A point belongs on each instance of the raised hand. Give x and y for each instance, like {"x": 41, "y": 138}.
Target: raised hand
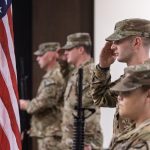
{"x": 107, "y": 55}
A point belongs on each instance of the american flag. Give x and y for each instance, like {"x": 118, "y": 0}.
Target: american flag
{"x": 9, "y": 111}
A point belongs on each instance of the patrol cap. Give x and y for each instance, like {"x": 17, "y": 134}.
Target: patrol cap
{"x": 135, "y": 77}
{"x": 77, "y": 39}
{"x": 48, "y": 46}
{"x": 129, "y": 27}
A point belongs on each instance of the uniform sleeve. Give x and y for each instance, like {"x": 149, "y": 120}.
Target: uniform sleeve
{"x": 86, "y": 95}
{"x": 100, "y": 88}
{"x": 46, "y": 98}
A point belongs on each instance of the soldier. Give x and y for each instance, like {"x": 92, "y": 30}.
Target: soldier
{"x": 78, "y": 49}
{"x": 134, "y": 103}
{"x": 46, "y": 106}
{"x": 130, "y": 43}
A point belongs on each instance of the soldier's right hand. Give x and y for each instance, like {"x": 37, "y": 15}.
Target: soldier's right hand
{"x": 23, "y": 104}
{"x": 107, "y": 55}
{"x": 87, "y": 147}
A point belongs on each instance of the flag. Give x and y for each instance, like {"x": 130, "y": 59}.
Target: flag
{"x": 9, "y": 111}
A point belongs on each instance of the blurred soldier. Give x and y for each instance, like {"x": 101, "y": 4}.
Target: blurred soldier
{"x": 134, "y": 103}
{"x": 45, "y": 108}
{"x": 130, "y": 43}
{"x": 78, "y": 50}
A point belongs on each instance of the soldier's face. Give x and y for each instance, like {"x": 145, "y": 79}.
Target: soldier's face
{"x": 124, "y": 50}
{"x": 44, "y": 59}
{"x": 72, "y": 55}
{"x": 131, "y": 104}
{"x": 39, "y": 60}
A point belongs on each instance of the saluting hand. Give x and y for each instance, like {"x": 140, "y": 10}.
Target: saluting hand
{"x": 107, "y": 55}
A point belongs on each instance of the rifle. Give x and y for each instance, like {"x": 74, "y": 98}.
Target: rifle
{"x": 79, "y": 119}
{"x": 24, "y": 117}
{"x": 23, "y": 80}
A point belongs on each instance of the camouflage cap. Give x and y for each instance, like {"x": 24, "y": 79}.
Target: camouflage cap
{"x": 48, "y": 46}
{"x": 135, "y": 77}
{"x": 129, "y": 27}
{"x": 77, "y": 39}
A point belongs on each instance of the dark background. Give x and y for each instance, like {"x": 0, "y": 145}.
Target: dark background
{"x": 37, "y": 21}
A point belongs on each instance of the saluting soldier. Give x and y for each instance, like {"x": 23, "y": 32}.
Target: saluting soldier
{"x": 130, "y": 44}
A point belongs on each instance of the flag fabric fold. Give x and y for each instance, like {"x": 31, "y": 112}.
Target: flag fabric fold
{"x": 9, "y": 110}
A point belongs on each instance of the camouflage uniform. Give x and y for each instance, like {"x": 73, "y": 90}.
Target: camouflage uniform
{"x": 101, "y": 78}
{"x": 93, "y": 135}
{"x": 45, "y": 109}
{"x": 138, "y": 76}
{"x": 138, "y": 138}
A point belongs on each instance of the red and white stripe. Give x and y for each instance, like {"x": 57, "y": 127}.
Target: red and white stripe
{"x": 9, "y": 111}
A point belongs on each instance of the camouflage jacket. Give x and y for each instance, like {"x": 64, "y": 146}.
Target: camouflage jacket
{"x": 93, "y": 134}
{"x": 138, "y": 138}
{"x": 46, "y": 107}
{"x": 103, "y": 97}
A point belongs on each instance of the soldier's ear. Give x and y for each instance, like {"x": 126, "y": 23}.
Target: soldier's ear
{"x": 148, "y": 98}
{"x": 148, "y": 93}
{"x": 137, "y": 42}
{"x": 81, "y": 49}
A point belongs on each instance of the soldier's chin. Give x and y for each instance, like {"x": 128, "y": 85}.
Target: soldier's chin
{"x": 120, "y": 60}
{"x": 40, "y": 67}
{"x": 68, "y": 60}
{"x": 123, "y": 115}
